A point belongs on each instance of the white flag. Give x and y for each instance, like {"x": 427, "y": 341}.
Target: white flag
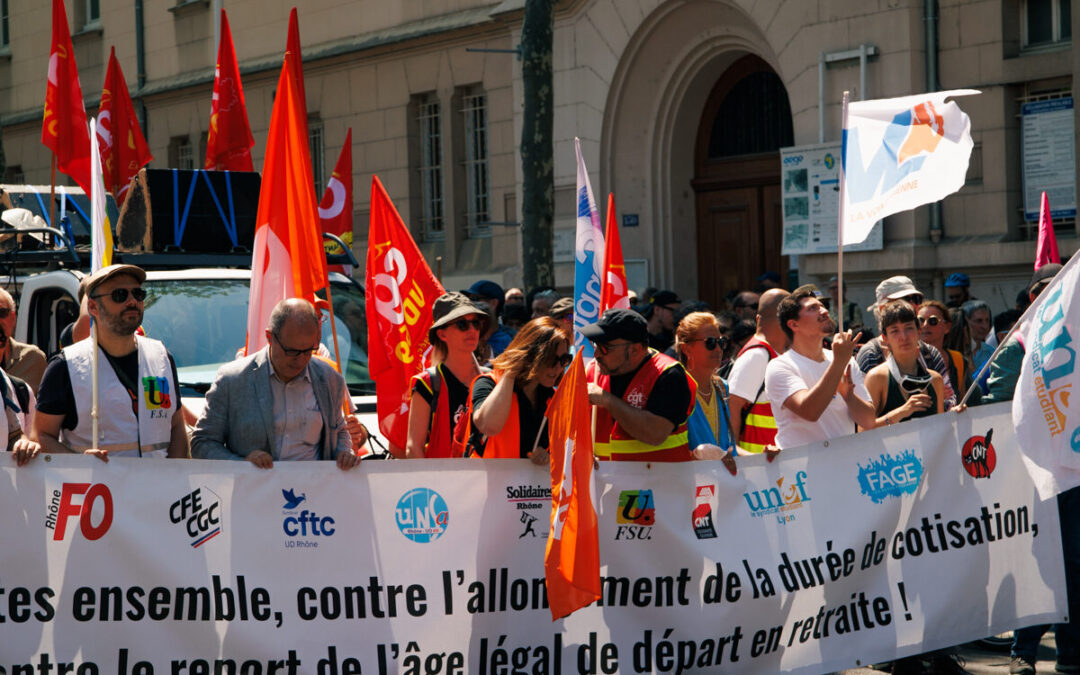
{"x": 588, "y": 257}
{"x": 101, "y": 242}
{"x": 1047, "y": 423}
{"x": 900, "y": 153}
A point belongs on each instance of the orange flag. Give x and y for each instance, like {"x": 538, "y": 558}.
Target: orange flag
{"x": 572, "y": 559}
{"x": 613, "y": 292}
{"x": 229, "y": 141}
{"x": 400, "y": 292}
{"x": 64, "y": 130}
{"x": 336, "y": 207}
{"x": 288, "y": 260}
{"x": 120, "y": 140}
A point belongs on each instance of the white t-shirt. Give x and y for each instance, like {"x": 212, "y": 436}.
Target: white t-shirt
{"x": 748, "y": 373}
{"x": 792, "y": 372}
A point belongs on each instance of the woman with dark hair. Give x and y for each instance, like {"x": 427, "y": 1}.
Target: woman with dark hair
{"x": 700, "y": 348}
{"x": 902, "y": 387}
{"x": 508, "y": 404}
{"x": 440, "y": 394}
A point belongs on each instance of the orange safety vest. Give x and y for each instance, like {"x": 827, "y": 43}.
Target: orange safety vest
{"x": 612, "y": 442}
{"x": 507, "y": 443}
{"x": 759, "y": 424}
{"x": 440, "y": 436}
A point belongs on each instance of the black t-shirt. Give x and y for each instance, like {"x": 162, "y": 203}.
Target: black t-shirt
{"x": 529, "y": 419}
{"x": 56, "y": 397}
{"x": 670, "y": 396}
{"x": 457, "y": 394}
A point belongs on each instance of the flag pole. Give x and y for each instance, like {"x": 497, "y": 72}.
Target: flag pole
{"x": 840, "y": 224}
{"x": 52, "y": 194}
{"x": 94, "y": 386}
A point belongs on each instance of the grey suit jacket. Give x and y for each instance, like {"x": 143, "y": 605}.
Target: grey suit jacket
{"x": 238, "y": 417}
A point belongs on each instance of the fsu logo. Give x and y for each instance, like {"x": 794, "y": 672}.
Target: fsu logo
{"x": 156, "y": 390}
{"x": 979, "y": 456}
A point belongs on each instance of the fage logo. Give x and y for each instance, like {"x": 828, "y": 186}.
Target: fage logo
{"x": 96, "y": 503}
{"x": 890, "y": 476}
{"x": 422, "y": 515}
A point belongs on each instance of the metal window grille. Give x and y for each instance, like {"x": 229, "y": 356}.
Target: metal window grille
{"x": 431, "y": 191}
{"x": 477, "y": 181}
{"x": 185, "y": 155}
{"x": 5, "y": 36}
{"x": 318, "y": 152}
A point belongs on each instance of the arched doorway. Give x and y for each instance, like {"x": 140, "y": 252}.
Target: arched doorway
{"x": 746, "y": 120}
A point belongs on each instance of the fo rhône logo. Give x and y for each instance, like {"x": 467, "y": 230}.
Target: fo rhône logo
{"x": 303, "y": 527}
{"x": 635, "y": 516}
{"x": 198, "y": 514}
{"x": 91, "y": 504}
{"x": 422, "y": 515}
{"x": 979, "y": 456}
{"x": 890, "y": 476}
{"x": 780, "y": 501}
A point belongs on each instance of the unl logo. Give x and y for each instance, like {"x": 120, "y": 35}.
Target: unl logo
{"x": 95, "y": 497}
{"x": 909, "y": 139}
{"x": 157, "y": 392}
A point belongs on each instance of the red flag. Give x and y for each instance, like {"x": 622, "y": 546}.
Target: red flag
{"x": 400, "y": 292}
{"x": 64, "y": 130}
{"x": 120, "y": 140}
{"x": 572, "y": 559}
{"x": 229, "y": 141}
{"x": 336, "y": 207}
{"x": 288, "y": 260}
{"x": 1046, "y": 251}
{"x": 613, "y": 292}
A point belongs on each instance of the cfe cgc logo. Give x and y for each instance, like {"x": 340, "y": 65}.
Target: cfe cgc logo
{"x": 422, "y": 515}
{"x": 304, "y": 528}
{"x": 199, "y": 514}
{"x": 635, "y": 516}
{"x": 891, "y": 476}
{"x": 91, "y": 503}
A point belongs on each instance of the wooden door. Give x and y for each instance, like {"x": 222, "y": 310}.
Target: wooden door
{"x": 728, "y": 248}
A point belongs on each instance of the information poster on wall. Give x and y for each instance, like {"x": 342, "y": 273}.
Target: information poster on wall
{"x": 1049, "y": 162}
{"x": 810, "y": 184}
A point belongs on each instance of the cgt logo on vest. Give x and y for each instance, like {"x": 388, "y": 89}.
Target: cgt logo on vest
{"x": 890, "y": 476}
{"x": 636, "y": 515}
{"x": 779, "y": 501}
{"x": 300, "y": 527}
{"x": 156, "y": 392}
{"x": 96, "y": 504}
{"x": 1053, "y": 360}
{"x": 199, "y": 512}
{"x": 979, "y": 456}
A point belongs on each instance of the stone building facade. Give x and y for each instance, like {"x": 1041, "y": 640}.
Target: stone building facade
{"x": 680, "y": 105}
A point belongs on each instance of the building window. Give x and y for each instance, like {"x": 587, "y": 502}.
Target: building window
{"x": 181, "y": 153}
{"x": 431, "y": 189}
{"x": 1045, "y": 22}
{"x": 5, "y": 32}
{"x": 13, "y": 175}
{"x": 91, "y": 13}
{"x": 477, "y": 183}
{"x": 318, "y": 155}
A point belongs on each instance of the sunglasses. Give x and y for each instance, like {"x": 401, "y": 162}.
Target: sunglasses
{"x": 465, "y": 324}
{"x": 711, "y": 343}
{"x": 604, "y": 348}
{"x": 119, "y": 295}
{"x": 932, "y": 320}
{"x": 565, "y": 360}
{"x": 915, "y": 384}
{"x": 292, "y": 353}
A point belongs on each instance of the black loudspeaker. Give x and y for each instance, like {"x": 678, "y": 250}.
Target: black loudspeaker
{"x": 194, "y": 211}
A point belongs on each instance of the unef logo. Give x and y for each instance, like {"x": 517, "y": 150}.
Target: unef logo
{"x": 909, "y": 139}
{"x": 636, "y": 515}
{"x": 779, "y": 500}
{"x": 1053, "y": 359}
{"x": 96, "y": 504}
{"x": 979, "y": 456}
{"x": 702, "y": 516}
{"x": 200, "y": 513}
{"x": 422, "y": 515}
{"x": 890, "y": 476}
{"x": 156, "y": 391}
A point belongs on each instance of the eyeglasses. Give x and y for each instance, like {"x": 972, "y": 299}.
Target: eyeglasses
{"x": 119, "y": 295}
{"x": 711, "y": 343}
{"x": 932, "y": 320}
{"x": 292, "y": 353}
{"x": 464, "y": 324}
{"x": 604, "y": 348}
{"x": 915, "y": 384}
{"x": 5, "y": 312}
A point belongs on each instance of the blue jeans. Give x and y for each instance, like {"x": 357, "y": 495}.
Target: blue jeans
{"x": 1067, "y": 635}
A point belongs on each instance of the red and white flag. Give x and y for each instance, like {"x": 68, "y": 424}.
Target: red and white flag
{"x": 288, "y": 260}
{"x": 120, "y": 140}
{"x": 336, "y": 207}
{"x": 229, "y": 141}
{"x": 572, "y": 559}
{"x": 1046, "y": 251}
{"x": 400, "y": 293}
{"x": 614, "y": 292}
{"x": 64, "y": 129}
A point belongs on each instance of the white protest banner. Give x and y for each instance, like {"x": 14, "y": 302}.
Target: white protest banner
{"x": 888, "y": 543}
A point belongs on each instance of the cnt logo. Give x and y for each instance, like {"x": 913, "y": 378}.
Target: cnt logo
{"x": 702, "y": 515}
{"x": 199, "y": 513}
{"x": 422, "y": 515}
{"x": 779, "y": 501}
{"x": 1053, "y": 360}
{"x": 94, "y": 510}
{"x": 910, "y": 137}
{"x": 979, "y": 456}
{"x": 890, "y": 476}
{"x": 636, "y": 515}
{"x": 302, "y": 527}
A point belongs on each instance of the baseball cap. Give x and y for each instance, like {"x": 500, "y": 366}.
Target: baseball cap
{"x": 105, "y": 273}
{"x": 1043, "y": 275}
{"x": 488, "y": 290}
{"x": 893, "y": 288}
{"x": 618, "y": 324}
{"x": 957, "y": 280}
{"x": 665, "y": 298}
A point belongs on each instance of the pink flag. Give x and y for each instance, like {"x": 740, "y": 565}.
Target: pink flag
{"x": 1046, "y": 251}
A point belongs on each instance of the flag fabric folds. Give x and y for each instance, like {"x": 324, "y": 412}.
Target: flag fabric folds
{"x": 288, "y": 260}
{"x": 588, "y": 256}
{"x": 1046, "y": 405}
{"x": 101, "y": 241}
{"x": 400, "y": 291}
{"x": 1046, "y": 251}
{"x": 229, "y": 140}
{"x": 572, "y": 558}
{"x": 899, "y": 153}
{"x": 123, "y": 148}
{"x": 615, "y": 293}
{"x": 64, "y": 129}
{"x": 336, "y": 207}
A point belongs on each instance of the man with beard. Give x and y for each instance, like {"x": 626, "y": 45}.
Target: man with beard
{"x": 138, "y": 395}
{"x": 20, "y": 360}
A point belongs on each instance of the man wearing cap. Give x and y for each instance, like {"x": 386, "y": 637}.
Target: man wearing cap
{"x": 642, "y": 397}
{"x": 660, "y": 314}
{"x": 137, "y": 383}
{"x": 957, "y": 290}
{"x": 871, "y": 355}
{"x": 491, "y": 294}
{"x": 278, "y": 404}
{"x": 752, "y": 418}
{"x": 563, "y": 312}
{"x": 24, "y": 361}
